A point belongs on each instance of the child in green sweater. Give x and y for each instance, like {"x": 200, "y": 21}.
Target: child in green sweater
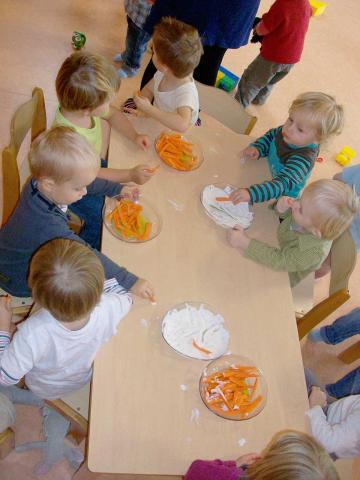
{"x": 310, "y": 224}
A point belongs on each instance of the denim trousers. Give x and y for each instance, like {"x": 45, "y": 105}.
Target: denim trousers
{"x": 135, "y": 45}
{"x": 343, "y": 328}
{"x": 348, "y": 385}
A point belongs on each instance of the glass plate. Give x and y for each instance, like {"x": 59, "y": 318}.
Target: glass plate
{"x": 196, "y": 151}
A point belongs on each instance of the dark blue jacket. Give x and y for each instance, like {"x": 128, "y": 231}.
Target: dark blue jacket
{"x": 35, "y": 221}
{"x": 224, "y": 23}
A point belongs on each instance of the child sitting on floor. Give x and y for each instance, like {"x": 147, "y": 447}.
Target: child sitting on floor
{"x": 291, "y": 149}
{"x": 289, "y": 455}
{"x": 324, "y": 211}
{"x": 55, "y": 347}
{"x": 176, "y": 53}
{"x": 64, "y": 168}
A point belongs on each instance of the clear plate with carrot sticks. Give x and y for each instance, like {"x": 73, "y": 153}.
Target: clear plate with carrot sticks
{"x": 233, "y": 387}
{"x": 133, "y": 222}
{"x": 181, "y": 152}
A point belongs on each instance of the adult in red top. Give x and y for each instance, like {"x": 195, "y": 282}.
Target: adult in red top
{"x": 283, "y": 29}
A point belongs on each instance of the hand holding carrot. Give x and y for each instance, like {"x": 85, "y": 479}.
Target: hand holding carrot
{"x": 239, "y": 195}
{"x": 142, "y": 288}
{"x": 142, "y": 173}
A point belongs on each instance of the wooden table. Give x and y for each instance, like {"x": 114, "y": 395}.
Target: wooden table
{"x": 140, "y": 420}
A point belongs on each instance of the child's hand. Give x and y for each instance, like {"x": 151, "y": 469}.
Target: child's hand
{"x": 142, "y": 288}
{"x": 142, "y": 173}
{"x": 249, "y": 153}
{"x": 239, "y": 195}
{"x": 238, "y": 238}
{"x": 142, "y": 103}
{"x": 248, "y": 459}
{"x": 284, "y": 203}
{"x": 317, "y": 397}
{"x": 5, "y": 313}
{"x": 142, "y": 141}
{"x": 130, "y": 192}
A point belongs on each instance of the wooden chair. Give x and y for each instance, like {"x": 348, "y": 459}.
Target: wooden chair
{"x": 343, "y": 259}
{"x": 351, "y": 354}
{"x": 224, "y": 108}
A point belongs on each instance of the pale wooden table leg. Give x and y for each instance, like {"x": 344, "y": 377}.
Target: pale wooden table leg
{"x": 350, "y": 354}
{"x": 7, "y": 442}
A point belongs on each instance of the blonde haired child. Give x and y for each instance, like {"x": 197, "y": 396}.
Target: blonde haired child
{"x": 324, "y": 211}
{"x": 177, "y": 51}
{"x": 292, "y": 148}
{"x": 55, "y": 347}
{"x": 289, "y": 455}
{"x": 64, "y": 169}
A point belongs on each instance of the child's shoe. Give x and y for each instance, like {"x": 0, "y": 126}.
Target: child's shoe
{"x": 127, "y": 72}
{"x": 118, "y": 57}
{"x": 315, "y": 335}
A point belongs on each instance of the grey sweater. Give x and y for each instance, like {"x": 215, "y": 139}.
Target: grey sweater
{"x": 35, "y": 221}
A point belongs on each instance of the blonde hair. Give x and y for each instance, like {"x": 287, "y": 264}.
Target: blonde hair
{"x": 334, "y": 205}
{"x": 325, "y": 115}
{"x": 66, "y": 278}
{"x": 86, "y": 81}
{"x": 59, "y": 152}
{"x": 178, "y": 46}
{"x": 293, "y": 455}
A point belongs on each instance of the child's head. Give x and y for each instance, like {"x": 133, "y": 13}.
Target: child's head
{"x": 293, "y": 455}
{"x": 313, "y": 118}
{"x": 177, "y": 46}
{"x": 64, "y": 163}
{"x": 326, "y": 208}
{"x": 88, "y": 82}
{"x": 67, "y": 279}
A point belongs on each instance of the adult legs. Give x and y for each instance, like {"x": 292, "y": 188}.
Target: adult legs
{"x": 343, "y": 328}
{"x": 348, "y": 385}
{"x": 135, "y": 46}
{"x": 262, "y": 96}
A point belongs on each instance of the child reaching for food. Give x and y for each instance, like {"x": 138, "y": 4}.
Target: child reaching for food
{"x": 292, "y": 148}
{"x": 176, "y": 53}
{"x": 324, "y": 211}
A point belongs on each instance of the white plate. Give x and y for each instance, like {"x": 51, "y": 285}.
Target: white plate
{"x": 225, "y": 214}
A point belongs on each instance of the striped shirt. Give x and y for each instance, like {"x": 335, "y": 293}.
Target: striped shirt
{"x": 290, "y": 166}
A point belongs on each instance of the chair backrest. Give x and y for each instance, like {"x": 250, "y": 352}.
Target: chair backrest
{"x": 225, "y": 109}
{"x": 30, "y": 115}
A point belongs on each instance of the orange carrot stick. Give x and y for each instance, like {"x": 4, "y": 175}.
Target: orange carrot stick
{"x": 222, "y": 199}
{"x": 201, "y": 349}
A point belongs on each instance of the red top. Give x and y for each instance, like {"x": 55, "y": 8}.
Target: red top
{"x": 287, "y": 22}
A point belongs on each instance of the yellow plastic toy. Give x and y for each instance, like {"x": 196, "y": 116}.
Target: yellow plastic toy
{"x": 317, "y": 7}
{"x": 345, "y": 155}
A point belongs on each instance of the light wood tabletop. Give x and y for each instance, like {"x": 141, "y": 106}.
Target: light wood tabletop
{"x": 145, "y": 396}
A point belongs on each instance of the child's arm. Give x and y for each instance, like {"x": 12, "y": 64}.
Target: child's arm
{"x": 119, "y": 121}
{"x": 139, "y": 174}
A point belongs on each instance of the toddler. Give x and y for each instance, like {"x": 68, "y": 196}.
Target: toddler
{"x": 288, "y": 455}
{"x": 176, "y": 52}
{"x": 291, "y": 149}
{"x": 55, "y": 347}
{"x": 324, "y": 211}
{"x": 64, "y": 168}
{"x": 283, "y": 29}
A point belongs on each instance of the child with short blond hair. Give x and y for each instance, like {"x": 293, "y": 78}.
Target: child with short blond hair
{"x": 324, "y": 211}
{"x": 291, "y": 149}
{"x": 177, "y": 51}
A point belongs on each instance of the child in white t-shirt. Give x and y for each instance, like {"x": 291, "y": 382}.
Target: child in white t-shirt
{"x": 176, "y": 53}
{"x": 55, "y": 347}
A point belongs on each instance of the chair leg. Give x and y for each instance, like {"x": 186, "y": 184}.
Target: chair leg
{"x": 7, "y": 442}
{"x": 350, "y": 354}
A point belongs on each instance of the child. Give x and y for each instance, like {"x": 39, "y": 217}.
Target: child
{"x": 283, "y": 29}
{"x": 177, "y": 51}
{"x": 137, "y": 38}
{"x": 64, "y": 168}
{"x": 55, "y": 347}
{"x": 289, "y": 455}
{"x": 291, "y": 149}
{"x": 309, "y": 226}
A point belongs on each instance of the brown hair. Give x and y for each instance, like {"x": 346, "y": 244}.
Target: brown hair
{"x": 58, "y": 152}
{"x": 66, "y": 278}
{"x": 178, "y": 46}
{"x": 86, "y": 81}
{"x": 293, "y": 455}
{"x": 325, "y": 115}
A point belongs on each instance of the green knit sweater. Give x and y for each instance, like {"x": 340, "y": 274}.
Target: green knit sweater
{"x": 299, "y": 253}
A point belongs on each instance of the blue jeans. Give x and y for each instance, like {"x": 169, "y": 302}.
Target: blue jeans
{"x": 348, "y": 385}
{"x": 343, "y": 328}
{"x": 135, "y": 45}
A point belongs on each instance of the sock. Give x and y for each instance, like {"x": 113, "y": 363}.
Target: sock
{"x": 315, "y": 335}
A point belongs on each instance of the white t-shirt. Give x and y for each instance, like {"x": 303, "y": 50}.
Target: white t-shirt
{"x": 57, "y": 361}
{"x": 339, "y": 430}
{"x": 184, "y": 96}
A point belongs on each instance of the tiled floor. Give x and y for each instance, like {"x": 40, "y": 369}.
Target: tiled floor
{"x": 35, "y": 38}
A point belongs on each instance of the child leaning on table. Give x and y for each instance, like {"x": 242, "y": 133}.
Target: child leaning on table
{"x": 289, "y": 455}
{"x": 64, "y": 168}
{"x": 177, "y": 50}
{"x": 324, "y": 211}
{"x": 55, "y": 347}
{"x": 292, "y": 148}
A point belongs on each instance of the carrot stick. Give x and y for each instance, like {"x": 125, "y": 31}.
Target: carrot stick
{"x": 222, "y": 199}
{"x": 201, "y": 349}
